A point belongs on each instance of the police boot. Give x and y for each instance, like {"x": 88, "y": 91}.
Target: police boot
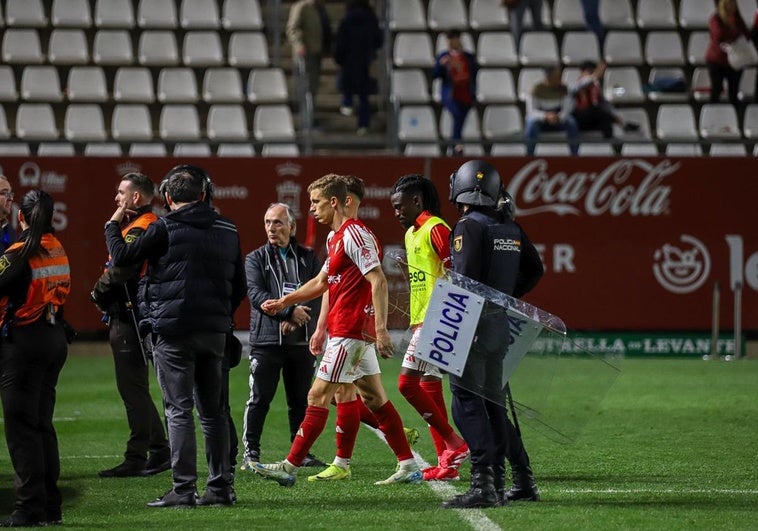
{"x": 481, "y": 493}
{"x": 524, "y": 487}
{"x": 499, "y": 484}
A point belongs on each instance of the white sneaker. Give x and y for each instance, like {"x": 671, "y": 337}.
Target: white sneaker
{"x": 410, "y": 474}
{"x": 345, "y": 110}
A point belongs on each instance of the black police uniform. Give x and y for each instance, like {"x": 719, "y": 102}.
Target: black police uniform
{"x": 513, "y": 270}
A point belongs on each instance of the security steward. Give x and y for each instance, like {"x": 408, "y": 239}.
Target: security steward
{"x": 115, "y": 294}
{"x": 34, "y": 284}
{"x": 512, "y": 269}
{"x": 194, "y": 282}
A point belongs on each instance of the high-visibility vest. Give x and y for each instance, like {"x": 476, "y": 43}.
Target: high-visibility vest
{"x": 141, "y": 222}
{"x": 424, "y": 267}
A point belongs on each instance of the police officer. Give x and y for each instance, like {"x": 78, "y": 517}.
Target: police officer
{"x": 115, "y": 293}
{"x": 512, "y": 269}
{"x": 34, "y": 284}
{"x": 195, "y": 281}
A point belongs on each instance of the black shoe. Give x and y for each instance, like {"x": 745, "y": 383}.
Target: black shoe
{"x": 474, "y": 498}
{"x": 124, "y": 470}
{"x": 311, "y": 460}
{"x": 217, "y": 499}
{"x": 502, "y": 498}
{"x": 19, "y": 520}
{"x": 158, "y": 463}
{"x": 172, "y": 499}
{"x": 52, "y": 518}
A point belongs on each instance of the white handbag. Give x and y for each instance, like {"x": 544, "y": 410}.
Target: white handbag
{"x": 740, "y": 53}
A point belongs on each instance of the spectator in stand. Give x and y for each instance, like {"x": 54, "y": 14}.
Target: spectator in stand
{"x": 591, "y": 10}
{"x": 590, "y": 108}
{"x": 7, "y": 234}
{"x": 309, "y": 33}
{"x": 457, "y": 68}
{"x": 548, "y": 108}
{"x": 516, "y": 11}
{"x": 725, "y": 26}
{"x": 358, "y": 39}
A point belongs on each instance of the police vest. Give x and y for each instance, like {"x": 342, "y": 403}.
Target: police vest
{"x": 424, "y": 267}
{"x": 51, "y": 282}
{"x": 141, "y": 222}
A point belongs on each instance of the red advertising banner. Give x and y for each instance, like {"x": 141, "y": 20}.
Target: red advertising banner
{"x": 628, "y": 244}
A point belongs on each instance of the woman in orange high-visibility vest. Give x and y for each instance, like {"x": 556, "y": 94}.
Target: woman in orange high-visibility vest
{"x": 34, "y": 284}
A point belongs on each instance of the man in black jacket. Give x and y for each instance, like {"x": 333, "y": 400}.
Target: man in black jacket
{"x": 279, "y": 343}
{"x": 195, "y": 281}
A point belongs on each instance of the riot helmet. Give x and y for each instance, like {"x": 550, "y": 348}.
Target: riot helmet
{"x": 476, "y": 183}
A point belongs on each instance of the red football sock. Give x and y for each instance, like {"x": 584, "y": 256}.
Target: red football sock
{"x": 433, "y": 389}
{"x": 348, "y": 423}
{"x": 309, "y": 430}
{"x": 367, "y": 417}
{"x": 392, "y": 427}
{"x": 410, "y": 387}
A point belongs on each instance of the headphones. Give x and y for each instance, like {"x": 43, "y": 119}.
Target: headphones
{"x": 196, "y": 172}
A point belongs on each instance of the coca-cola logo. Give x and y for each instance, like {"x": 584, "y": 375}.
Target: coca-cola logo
{"x": 626, "y": 186}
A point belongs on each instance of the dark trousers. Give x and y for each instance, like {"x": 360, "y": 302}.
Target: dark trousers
{"x": 458, "y": 111}
{"x": 190, "y": 372}
{"x": 146, "y": 431}
{"x": 718, "y": 73}
{"x": 296, "y": 365}
{"x": 595, "y": 119}
{"x": 29, "y": 367}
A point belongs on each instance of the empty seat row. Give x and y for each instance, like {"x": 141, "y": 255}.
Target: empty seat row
{"x": 169, "y": 14}
{"x": 149, "y": 149}
{"x": 155, "y": 48}
{"x": 440, "y": 15}
{"x": 495, "y": 48}
{"x": 135, "y": 84}
{"x": 132, "y": 122}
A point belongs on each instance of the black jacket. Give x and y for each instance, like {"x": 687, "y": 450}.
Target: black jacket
{"x": 195, "y": 278}
{"x": 264, "y": 281}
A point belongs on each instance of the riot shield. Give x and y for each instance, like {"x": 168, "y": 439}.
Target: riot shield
{"x": 491, "y": 344}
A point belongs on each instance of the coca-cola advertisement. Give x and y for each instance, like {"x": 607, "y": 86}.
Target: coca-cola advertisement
{"x": 627, "y": 243}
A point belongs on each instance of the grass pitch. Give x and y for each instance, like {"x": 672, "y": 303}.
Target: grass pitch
{"x": 673, "y": 447}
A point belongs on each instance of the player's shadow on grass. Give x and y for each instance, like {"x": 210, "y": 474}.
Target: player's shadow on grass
{"x": 69, "y": 493}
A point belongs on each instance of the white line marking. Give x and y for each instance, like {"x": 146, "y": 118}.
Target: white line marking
{"x": 651, "y": 491}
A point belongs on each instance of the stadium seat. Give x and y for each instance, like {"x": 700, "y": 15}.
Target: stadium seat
{"x": 700, "y": 87}
{"x": 177, "y": 85}
{"x": 158, "y": 48}
{"x": 222, "y": 85}
{"x": 467, "y": 43}
{"x": 267, "y": 85}
{"x": 596, "y": 149}
{"x": 248, "y": 49}
{"x": 639, "y": 149}
{"x": 114, "y": 14}
{"x": 616, "y": 14}
{"x": 696, "y": 46}
{"x": 746, "y": 9}
{"x": 527, "y": 78}
{"x": 719, "y": 121}
{"x": 152, "y": 149}
{"x": 416, "y": 123}
{"x": 495, "y": 48}
{"x": 202, "y": 48}
{"x": 502, "y": 122}
{"x": 694, "y": 14}
{"x": 656, "y": 14}
{"x": 235, "y": 150}
{"x": 22, "y": 46}
{"x": 198, "y": 14}
{"x": 579, "y": 46}
{"x": 133, "y": 85}
{"x": 131, "y": 122}
{"x": 84, "y": 123}
{"x": 547, "y": 17}
{"x": 86, "y": 83}
{"x": 280, "y": 150}
{"x": 747, "y": 84}
{"x": 55, "y": 149}
{"x": 446, "y": 14}
{"x": 637, "y": 115}
{"x": 68, "y": 47}
{"x": 676, "y": 122}
{"x": 8, "y": 90}
{"x": 495, "y": 85}
{"x": 569, "y": 75}
{"x": 622, "y": 85}
{"x": 471, "y": 127}
{"x": 750, "y": 121}
{"x": 663, "y": 48}
{"x": 724, "y": 149}
{"x": 539, "y": 48}
{"x": 5, "y": 132}
{"x": 179, "y": 122}
{"x": 428, "y": 149}
{"x": 227, "y": 123}
{"x": 552, "y": 149}
{"x": 406, "y": 15}
{"x": 25, "y": 13}
{"x": 667, "y": 73}
{"x": 568, "y": 14}
{"x": 413, "y": 50}
{"x": 14, "y": 149}
{"x": 241, "y": 15}
{"x": 408, "y": 85}
{"x": 35, "y": 121}
{"x": 508, "y": 150}
{"x": 622, "y": 48}
{"x": 273, "y": 123}
{"x": 112, "y": 48}
{"x": 157, "y": 14}
{"x": 102, "y": 149}
{"x": 486, "y": 15}
{"x": 683, "y": 150}
{"x": 41, "y": 83}
{"x": 71, "y": 14}
{"x": 194, "y": 149}
{"x": 473, "y": 149}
